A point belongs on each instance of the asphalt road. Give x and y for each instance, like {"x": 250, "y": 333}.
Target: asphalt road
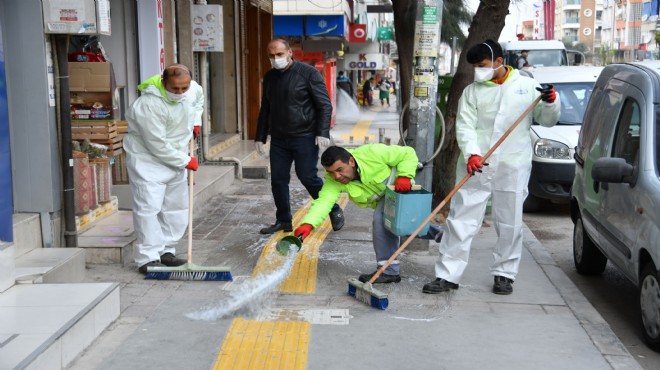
{"x": 611, "y": 294}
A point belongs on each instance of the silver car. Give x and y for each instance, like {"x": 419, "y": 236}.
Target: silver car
{"x": 615, "y": 200}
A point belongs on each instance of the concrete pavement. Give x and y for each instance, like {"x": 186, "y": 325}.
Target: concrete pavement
{"x": 545, "y": 324}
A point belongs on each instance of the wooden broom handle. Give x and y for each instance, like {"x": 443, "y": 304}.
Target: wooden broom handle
{"x": 190, "y": 202}
{"x": 452, "y": 192}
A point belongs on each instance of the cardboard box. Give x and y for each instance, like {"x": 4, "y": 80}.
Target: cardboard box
{"x": 79, "y": 17}
{"x": 90, "y": 77}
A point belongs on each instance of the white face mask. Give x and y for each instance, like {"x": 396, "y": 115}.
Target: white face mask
{"x": 280, "y": 63}
{"x": 175, "y": 97}
{"x": 482, "y": 74}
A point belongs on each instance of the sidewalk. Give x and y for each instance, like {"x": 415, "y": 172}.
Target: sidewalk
{"x": 545, "y": 324}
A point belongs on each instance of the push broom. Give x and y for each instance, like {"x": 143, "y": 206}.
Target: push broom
{"x": 365, "y": 292}
{"x": 189, "y": 270}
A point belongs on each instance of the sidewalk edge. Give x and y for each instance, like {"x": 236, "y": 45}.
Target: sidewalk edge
{"x": 598, "y": 330}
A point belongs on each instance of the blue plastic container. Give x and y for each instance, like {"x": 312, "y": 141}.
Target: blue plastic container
{"x": 404, "y": 212}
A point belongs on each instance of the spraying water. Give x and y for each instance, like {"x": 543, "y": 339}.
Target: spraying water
{"x": 249, "y": 293}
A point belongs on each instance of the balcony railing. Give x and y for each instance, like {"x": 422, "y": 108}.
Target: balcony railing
{"x": 571, "y": 20}
{"x": 571, "y": 2}
{"x": 573, "y": 38}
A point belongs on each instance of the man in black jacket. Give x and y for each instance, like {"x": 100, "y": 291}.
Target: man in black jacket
{"x": 295, "y": 112}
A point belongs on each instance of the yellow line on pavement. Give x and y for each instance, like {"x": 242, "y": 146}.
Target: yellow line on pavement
{"x": 361, "y": 128}
{"x": 302, "y": 278}
{"x": 252, "y": 344}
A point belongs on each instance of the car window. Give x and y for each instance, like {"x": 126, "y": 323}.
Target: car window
{"x": 574, "y": 98}
{"x": 626, "y": 139}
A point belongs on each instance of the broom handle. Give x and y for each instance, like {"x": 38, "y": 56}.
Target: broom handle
{"x": 190, "y": 202}
{"x": 451, "y": 193}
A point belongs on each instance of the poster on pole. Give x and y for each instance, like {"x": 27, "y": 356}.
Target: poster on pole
{"x": 207, "y": 32}
{"x": 427, "y": 41}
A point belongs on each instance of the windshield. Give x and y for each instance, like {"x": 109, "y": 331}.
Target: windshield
{"x": 539, "y": 58}
{"x": 574, "y": 98}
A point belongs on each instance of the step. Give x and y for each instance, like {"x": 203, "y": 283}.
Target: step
{"x": 257, "y": 168}
{"x": 50, "y": 265}
{"x": 46, "y": 326}
{"x": 252, "y": 164}
{"x": 210, "y": 180}
{"x": 7, "y": 265}
{"x": 27, "y": 232}
{"x": 109, "y": 240}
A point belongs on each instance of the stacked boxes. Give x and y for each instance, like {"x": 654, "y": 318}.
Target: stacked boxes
{"x": 95, "y": 114}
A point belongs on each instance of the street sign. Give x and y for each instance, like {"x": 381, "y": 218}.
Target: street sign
{"x": 358, "y": 33}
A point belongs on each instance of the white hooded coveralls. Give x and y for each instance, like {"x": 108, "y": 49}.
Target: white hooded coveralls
{"x": 157, "y": 151}
{"x": 486, "y": 110}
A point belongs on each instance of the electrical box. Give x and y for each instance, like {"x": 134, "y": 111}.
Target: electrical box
{"x": 77, "y": 17}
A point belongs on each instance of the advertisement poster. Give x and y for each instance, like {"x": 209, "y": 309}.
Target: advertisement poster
{"x": 207, "y": 33}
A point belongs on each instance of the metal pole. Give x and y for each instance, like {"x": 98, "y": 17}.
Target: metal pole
{"x": 422, "y": 107}
{"x": 453, "y": 54}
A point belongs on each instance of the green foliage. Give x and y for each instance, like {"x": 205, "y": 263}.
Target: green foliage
{"x": 455, "y": 15}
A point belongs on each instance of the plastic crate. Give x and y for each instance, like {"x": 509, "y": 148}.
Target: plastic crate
{"x": 404, "y": 212}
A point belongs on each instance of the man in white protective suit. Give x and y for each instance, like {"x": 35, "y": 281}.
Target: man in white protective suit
{"x": 486, "y": 110}
{"x": 161, "y": 123}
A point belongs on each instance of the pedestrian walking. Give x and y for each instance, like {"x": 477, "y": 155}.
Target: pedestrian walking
{"x": 367, "y": 93}
{"x": 363, "y": 173}
{"x": 384, "y": 92}
{"x": 161, "y": 123}
{"x": 486, "y": 109}
{"x": 295, "y": 113}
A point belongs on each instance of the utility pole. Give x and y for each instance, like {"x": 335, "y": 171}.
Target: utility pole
{"x": 453, "y": 54}
{"x": 422, "y": 107}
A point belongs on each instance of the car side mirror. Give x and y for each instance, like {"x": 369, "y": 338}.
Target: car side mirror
{"x": 612, "y": 170}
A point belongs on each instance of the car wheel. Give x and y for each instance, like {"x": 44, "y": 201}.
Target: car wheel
{"x": 588, "y": 259}
{"x": 649, "y": 303}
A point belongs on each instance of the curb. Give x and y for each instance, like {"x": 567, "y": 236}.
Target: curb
{"x": 598, "y": 330}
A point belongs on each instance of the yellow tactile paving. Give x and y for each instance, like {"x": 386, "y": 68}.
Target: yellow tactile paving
{"x": 302, "y": 278}
{"x": 252, "y": 344}
{"x": 361, "y": 128}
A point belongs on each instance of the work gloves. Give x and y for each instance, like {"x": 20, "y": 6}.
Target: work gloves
{"x": 196, "y": 130}
{"x": 548, "y": 93}
{"x": 193, "y": 165}
{"x": 261, "y": 147}
{"x": 303, "y": 231}
{"x": 402, "y": 184}
{"x": 474, "y": 164}
{"x": 323, "y": 143}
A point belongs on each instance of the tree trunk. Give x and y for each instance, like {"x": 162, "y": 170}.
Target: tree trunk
{"x": 487, "y": 23}
{"x": 404, "y": 23}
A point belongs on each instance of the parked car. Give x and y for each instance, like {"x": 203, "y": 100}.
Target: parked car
{"x": 615, "y": 203}
{"x": 553, "y": 166}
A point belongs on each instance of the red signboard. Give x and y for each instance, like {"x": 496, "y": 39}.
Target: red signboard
{"x": 358, "y": 33}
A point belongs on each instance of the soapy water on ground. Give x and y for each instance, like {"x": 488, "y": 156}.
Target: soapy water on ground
{"x": 251, "y": 297}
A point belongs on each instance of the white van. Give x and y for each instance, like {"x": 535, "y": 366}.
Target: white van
{"x": 542, "y": 53}
{"x": 553, "y": 165}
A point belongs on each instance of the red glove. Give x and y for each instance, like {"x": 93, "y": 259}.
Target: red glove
{"x": 193, "y": 165}
{"x": 196, "y": 130}
{"x": 402, "y": 184}
{"x": 474, "y": 164}
{"x": 303, "y": 231}
{"x": 548, "y": 93}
